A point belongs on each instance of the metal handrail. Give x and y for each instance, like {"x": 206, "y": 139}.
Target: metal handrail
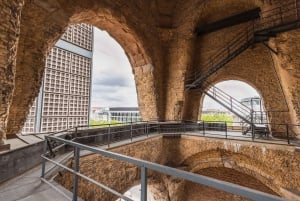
{"x": 145, "y": 165}
{"x": 283, "y": 14}
{"x": 176, "y": 128}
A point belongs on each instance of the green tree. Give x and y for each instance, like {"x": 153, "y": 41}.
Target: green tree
{"x": 217, "y": 117}
{"x": 99, "y": 123}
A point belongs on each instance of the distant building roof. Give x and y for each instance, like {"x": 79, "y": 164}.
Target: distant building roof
{"x": 124, "y": 109}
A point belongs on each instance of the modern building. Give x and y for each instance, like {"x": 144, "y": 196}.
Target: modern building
{"x": 64, "y": 98}
{"x": 120, "y": 114}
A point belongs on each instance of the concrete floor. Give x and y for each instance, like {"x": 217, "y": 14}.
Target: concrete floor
{"x": 29, "y": 187}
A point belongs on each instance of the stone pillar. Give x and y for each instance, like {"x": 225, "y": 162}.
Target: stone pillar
{"x": 180, "y": 55}
{"x": 10, "y": 13}
{"x": 146, "y": 91}
{"x": 287, "y": 62}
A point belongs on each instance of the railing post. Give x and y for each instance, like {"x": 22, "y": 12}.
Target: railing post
{"x": 108, "y": 137}
{"x": 147, "y": 129}
{"x": 76, "y": 170}
{"x": 252, "y": 131}
{"x": 287, "y": 133}
{"x": 143, "y": 183}
{"x": 76, "y": 131}
{"x": 159, "y": 128}
{"x": 226, "y": 129}
{"x": 131, "y": 131}
{"x": 252, "y": 124}
{"x": 203, "y": 127}
{"x": 44, "y": 160}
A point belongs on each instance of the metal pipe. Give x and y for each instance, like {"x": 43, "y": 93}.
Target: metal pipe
{"x": 43, "y": 160}
{"x": 211, "y": 182}
{"x": 76, "y": 169}
{"x": 89, "y": 179}
{"x": 143, "y": 183}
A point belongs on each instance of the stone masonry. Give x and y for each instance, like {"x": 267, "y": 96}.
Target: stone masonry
{"x": 163, "y": 49}
{"x": 243, "y": 163}
{"x": 10, "y": 14}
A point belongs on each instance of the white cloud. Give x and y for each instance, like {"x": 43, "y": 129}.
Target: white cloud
{"x": 236, "y": 89}
{"x": 112, "y": 79}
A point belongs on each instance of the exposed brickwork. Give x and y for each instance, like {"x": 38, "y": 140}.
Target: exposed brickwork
{"x": 287, "y": 63}
{"x": 10, "y": 13}
{"x": 244, "y": 163}
{"x": 159, "y": 40}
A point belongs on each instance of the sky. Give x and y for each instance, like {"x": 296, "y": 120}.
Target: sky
{"x": 113, "y": 82}
{"x": 112, "y": 79}
{"x": 234, "y": 88}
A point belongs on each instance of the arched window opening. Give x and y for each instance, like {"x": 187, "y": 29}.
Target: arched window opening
{"x": 87, "y": 77}
{"x": 114, "y": 94}
{"x": 236, "y": 103}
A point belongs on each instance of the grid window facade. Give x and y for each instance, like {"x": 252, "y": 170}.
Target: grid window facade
{"x": 66, "y": 86}
{"x": 52, "y": 124}
{"x": 81, "y": 35}
{"x": 29, "y": 125}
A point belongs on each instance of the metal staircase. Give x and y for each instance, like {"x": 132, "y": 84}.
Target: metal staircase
{"x": 246, "y": 114}
{"x": 280, "y": 19}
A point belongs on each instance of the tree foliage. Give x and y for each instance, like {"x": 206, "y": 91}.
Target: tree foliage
{"x": 99, "y": 123}
{"x": 217, "y": 117}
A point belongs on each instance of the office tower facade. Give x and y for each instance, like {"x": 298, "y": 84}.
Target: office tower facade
{"x": 64, "y": 98}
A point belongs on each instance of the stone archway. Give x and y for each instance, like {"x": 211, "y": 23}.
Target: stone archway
{"x": 196, "y": 192}
{"x": 42, "y": 23}
{"x": 255, "y": 67}
{"x": 231, "y": 167}
{"x": 159, "y": 39}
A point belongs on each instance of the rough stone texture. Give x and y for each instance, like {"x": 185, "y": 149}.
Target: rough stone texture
{"x": 159, "y": 40}
{"x": 287, "y": 63}
{"x": 10, "y": 13}
{"x": 225, "y": 174}
{"x": 243, "y": 163}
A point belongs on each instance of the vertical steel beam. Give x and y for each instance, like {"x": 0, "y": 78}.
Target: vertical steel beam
{"x": 44, "y": 160}
{"x": 143, "y": 183}
{"x": 76, "y": 169}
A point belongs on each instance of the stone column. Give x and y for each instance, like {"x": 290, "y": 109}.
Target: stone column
{"x": 10, "y": 13}
{"x": 287, "y": 62}
{"x": 180, "y": 53}
{"x": 147, "y": 91}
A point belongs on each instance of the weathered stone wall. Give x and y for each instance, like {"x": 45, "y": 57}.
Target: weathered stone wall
{"x": 10, "y": 14}
{"x": 225, "y": 160}
{"x": 159, "y": 40}
{"x": 287, "y": 64}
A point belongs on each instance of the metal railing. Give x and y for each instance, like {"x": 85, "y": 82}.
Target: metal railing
{"x": 144, "y": 167}
{"x": 283, "y": 15}
{"x": 228, "y": 102}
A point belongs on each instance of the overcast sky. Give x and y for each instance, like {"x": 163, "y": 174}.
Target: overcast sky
{"x": 236, "y": 89}
{"x": 112, "y": 78}
{"x": 113, "y": 82}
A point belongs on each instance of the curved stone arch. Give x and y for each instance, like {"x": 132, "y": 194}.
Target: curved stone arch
{"x": 230, "y": 78}
{"x": 236, "y": 161}
{"x": 38, "y": 35}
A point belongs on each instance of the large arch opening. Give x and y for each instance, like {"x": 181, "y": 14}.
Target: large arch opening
{"x": 49, "y": 27}
{"x": 239, "y": 90}
{"x": 113, "y": 90}
{"x": 236, "y": 103}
